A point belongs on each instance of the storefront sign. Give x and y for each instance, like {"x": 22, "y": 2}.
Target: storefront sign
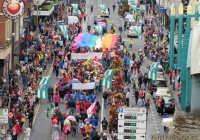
{"x": 21, "y": 39}
{"x": 13, "y": 9}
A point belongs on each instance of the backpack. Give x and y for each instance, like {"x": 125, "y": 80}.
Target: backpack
{"x": 104, "y": 123}
{"x": 104, "y": 95}
{"x": 66, "y": 129}
{"x": 104, "y": 138}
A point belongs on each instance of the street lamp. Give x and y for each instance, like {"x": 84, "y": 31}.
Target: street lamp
{"x": 13, "y": 45}
{"x": 37, "y": 20}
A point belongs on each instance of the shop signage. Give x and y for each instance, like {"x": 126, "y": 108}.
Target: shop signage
{"x": 21, "y": 39}
{"x": 13, "y": 9}
{"x": 3, "y": 116}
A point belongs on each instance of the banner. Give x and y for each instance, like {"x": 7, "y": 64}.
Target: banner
{"x": 90, "y": 109}
{"x": 42, "y": 91}
{"x": 64, "y": 30}
{"x": 76, "y": 56}
{"x": 83, "y": 86}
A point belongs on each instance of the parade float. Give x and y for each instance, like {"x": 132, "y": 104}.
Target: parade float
{"x": 116, "y": 97}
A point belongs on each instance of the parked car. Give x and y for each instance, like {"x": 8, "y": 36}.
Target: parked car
{"x": 169, "y": 105}
{"x": 129, "y": 16}
{"x": 160, "y": 82}
{"x": 104, "y": 13}
{"x": 131, "y": 32}
{"x": 159, "y": 92}
{"x": 131, "y": 22}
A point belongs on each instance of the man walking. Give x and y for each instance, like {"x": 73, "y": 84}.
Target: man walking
{"x": 91, "y": 8}
{"x": 114, "y": 8}
{"x": 30, "y": 117}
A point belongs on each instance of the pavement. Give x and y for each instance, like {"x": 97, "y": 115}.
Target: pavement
{"x": 42, "y": 125}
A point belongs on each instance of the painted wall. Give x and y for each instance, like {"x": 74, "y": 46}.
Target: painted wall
{"x": 195, "y": 63}
{"x": 195, "y": 106}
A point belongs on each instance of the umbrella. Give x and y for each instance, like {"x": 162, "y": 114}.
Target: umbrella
{"x": 67, "y": 122}
{"x": 109, "y": 41}
{"x": 98, "y": 43}
{"x": 73, "y": 81}
{"x": 56, "y": 36}
{"x": 71, "y": 118}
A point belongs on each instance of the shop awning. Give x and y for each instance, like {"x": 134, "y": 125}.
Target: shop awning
{"x": 167, "y": 122}
{"x": 45, "y": 9}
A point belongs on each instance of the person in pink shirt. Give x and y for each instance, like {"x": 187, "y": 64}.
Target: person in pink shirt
{"x": 141, "y": 94}
{"x": 56, "y": 99}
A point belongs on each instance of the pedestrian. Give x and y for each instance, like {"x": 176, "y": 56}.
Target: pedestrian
{"x": 91, "y": 8}
{"x": 84, "y": 16}
{"x": 131, "y": 43}
{"x": 129, "y": 76}
{"x": 109, "y": 10}
{"x": 127, "y": 97}
{"x": 94, "y": 121}
{"x": 125, "y": 25}
{"x": 105, "y": 98}
{"x": 81, "y": 126}
{"x": 74, "y": 126}
{"x": 114, "y": 8}
{"x": 96, "y": 137}
{"x": 56, "y": 69}
{"x": 30, "y": 117}
{"x": 139, "y": 102}
{"x": 104, "y": 123}
{"x": 165, "y": 116}
{"x": 147, "y": 104}
{"x": 2, "y": 133}
{"x": 27, "y": 132}
{"x": 56, "y": 99}
{"x": 88, "y": 28}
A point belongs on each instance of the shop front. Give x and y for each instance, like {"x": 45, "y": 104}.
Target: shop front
{"x": 4, "y": 66}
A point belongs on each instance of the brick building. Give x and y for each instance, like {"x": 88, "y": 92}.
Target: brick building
{"x": 12, "y": 35}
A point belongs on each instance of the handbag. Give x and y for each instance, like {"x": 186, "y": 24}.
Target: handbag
{"x": 23, "y": 119}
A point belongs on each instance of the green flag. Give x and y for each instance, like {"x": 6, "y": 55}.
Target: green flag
{"x": 152, "y": 74}
{"x": 49, "y": 109}
{"x": 64, "y": 30}
{"x": 103, "y": 7}
{"x": 99, "y": 29}
{"x": 107, "y": 78}
{"x": 42, "y": 91}
{"x": 138, "y": 30}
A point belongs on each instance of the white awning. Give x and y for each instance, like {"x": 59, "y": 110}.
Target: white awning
{"x": 167, "y": 122}
{"x": 43, "y": 13}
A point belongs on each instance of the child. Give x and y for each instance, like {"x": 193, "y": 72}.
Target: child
{"x": 81, "y": 126}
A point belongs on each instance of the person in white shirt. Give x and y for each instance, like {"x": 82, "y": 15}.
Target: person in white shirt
{"x": 131, "y": 65}
{"x": 127, "y": 97}
{"x": 27, "y": 132}
{"x": 18, "y": 74}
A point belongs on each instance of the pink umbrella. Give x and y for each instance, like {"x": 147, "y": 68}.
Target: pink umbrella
{"x": 78, "y": 39}
{"x": 56, "y": 36}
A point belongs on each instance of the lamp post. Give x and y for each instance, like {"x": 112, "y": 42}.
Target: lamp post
{"x": 13, "y": 45}
{"x": 37, "y": 20}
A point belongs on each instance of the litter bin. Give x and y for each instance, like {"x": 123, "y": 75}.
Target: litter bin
{"x": 166, "y": 66}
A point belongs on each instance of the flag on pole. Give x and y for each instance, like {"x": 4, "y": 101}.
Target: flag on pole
{"x": 90, "y": 110}
{"x": 103, "y": 7}
{"x": 107, "y": 78}
{"x": 98, "y": 62}
{"x": 49, "y": 109}
{"x": 138, "y": 30}
{"x": 64, "y": 30}
{"x": 153, "y": 70}
{"x": 99, "y": 29}
{"x": 42, "y": 91}
{"x": 75, "y": 6}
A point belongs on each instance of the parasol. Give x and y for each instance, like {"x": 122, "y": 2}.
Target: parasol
{"x": 56, "y": 36}
{"x": 109, "y": 41}
{"x": 78, "y": 39}
{"x": 73, "y": 81}
{"x": 71, "y": 118}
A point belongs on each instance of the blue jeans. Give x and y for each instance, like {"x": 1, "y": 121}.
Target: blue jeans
{"x": 97, "y": 89}
{"x": 105, "y": 102}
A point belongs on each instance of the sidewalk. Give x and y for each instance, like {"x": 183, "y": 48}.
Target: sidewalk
{"x": 173, "y": 92}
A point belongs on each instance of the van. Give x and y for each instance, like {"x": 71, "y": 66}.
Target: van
{"x": 72, "y": 19}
